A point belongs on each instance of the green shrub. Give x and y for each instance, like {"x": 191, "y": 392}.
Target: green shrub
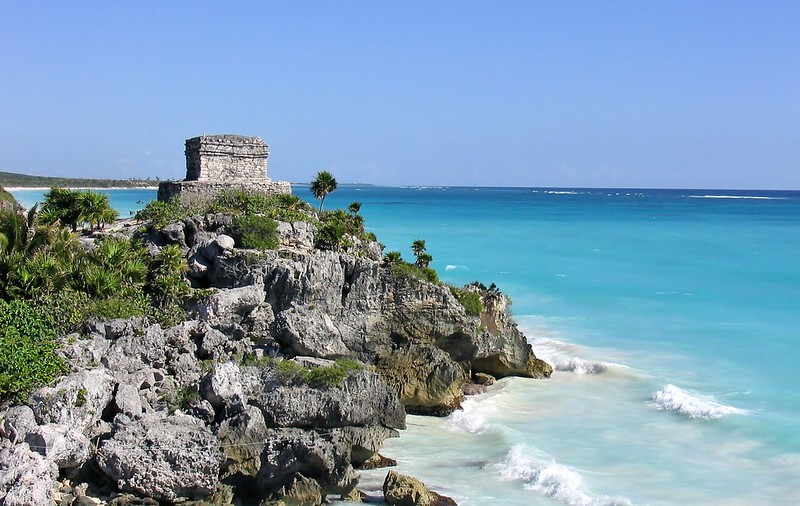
{"x": 332, "y": 376}
{"x": 412, "y": 271}
{"x": 329, "y": 236}
{"x": 255, "y": 232}
{"x": 27, "y": 349}
{"x": 471, "y": 301}
{"x": 160, "y": 214}
{"x": 283, "y": 207}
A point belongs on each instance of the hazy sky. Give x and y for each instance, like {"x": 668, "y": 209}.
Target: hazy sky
{"x": 638, "y": 93}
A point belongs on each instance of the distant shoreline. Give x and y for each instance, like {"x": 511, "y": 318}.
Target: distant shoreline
{"x": 33, "y": 188}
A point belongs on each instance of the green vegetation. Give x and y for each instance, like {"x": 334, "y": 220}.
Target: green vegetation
{"x": 70, "y": 207}
{"x": 471, "y": 300}
{"x": 418, "y": 270}
{"x": 255, "y": 232}
{"x": 11, "y": 180}
{"x": 291, "y": 372}
{"x": 159, "y": 214}
{"x": 80, "y": 397}
{"x": 7, "y": 200}
{"x": 323, "y": 184}
{"x": 27, "y": 349}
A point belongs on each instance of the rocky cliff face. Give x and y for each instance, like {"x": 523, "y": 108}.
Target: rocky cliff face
{"x": 246, "y": 399}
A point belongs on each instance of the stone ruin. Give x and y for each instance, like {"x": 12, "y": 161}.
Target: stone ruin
{"x": 220, "y": 162}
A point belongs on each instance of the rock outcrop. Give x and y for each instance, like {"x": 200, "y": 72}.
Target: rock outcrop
{"x": 294, "y": 368}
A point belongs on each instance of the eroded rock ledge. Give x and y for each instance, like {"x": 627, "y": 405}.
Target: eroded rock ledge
{"x": 250, "y": 400}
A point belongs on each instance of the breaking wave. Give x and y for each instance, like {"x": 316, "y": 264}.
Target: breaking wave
{"x": 551, "y": 479}
{"x": 560, "y": 356}
{"x": 677, "y": 400}
{"x": 451, "y": 267}
{"x": 468, "y": 419}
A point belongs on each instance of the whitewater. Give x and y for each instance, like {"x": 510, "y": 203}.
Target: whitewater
{"x": 672, "y": 321}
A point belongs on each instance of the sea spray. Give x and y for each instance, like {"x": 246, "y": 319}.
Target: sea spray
{"x": 547, "y": 477}
{"x": 672, "y": 398}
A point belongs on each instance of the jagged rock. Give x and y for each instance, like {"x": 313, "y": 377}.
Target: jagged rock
{"x": 236, "y": 301}
{"x": 306, "y": 331}
{"x": 114, "y": 329}
{"x": 302, "y": 491}
{"x": 483, "y": 379}
{"x": 324, "y": 458}
{"x": 65, "y": 446}
{"x": 242, "y": 438}
{"x": 132, "y": 500}
{"x": 170, "y": 458}
{"x": 18, "y": 421}
{"x": 377, "y": 461}
{"x": 128, "y": 401}
{"x": 83, "y": 352}
{"x": 296, "y": 235}
{"x": 201, "y": 409}
{"x": 78, "y": 400}
{"x": 223, "y": 388}
{"x": 364, "y": 441}
{"x": 225, "y": 242}
{"x": 473, "y": 389}
{"x": 427, "y": 380}
{"x": 402, "y": 490}
{"x": 26, "y": 477}
{"x": 306, "y": 278}
{"x": 174, "y": 234}
{"x": 538, "y": 368}
{"x": 362, "y": 399}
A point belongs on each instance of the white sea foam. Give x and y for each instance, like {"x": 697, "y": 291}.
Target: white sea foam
{"x": 672, "y": 398}
{"x": 752, "y": 197}
{"x": 561, "y": 356}
{"x": 554, "y": 192}
{"x": 468, "y": 418}
{"x": 551, "y": 479}
{"x": 451, "y": 267}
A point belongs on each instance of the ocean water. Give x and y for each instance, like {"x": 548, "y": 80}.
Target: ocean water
{"x": 672, "y": 318}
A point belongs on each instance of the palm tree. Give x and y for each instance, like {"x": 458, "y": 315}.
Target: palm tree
{"x": 423, "y": 258}
{"x": 95, "y": 209}
{"x": 322, "y": 185}
{"x": 354, "y": 207}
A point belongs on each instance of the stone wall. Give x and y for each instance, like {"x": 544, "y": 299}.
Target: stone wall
{"x": 226, "y": 157}
{"x": 200, "y": 192}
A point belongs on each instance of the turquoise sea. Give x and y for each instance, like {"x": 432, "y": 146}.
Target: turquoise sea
{"x": 672, "y": 318}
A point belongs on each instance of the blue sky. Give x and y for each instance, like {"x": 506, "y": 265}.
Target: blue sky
{"x": 560, "y": 93}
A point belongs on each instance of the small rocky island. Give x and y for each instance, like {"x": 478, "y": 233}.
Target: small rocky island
{"x": 292, "y": 367}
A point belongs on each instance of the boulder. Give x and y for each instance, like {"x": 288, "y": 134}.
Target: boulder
{"x": 325, "y": 458}
{"x": 306, "y": 331}
{"x": 242, "y": 439}
{"x": 65, "y": 446}
{"x": 402, "y": 490}
{"x": 174, "y": 234}
{"x": 296, "y": 235}
{"x": 170, "y": 458}
{"x": 26, "y": 477}
{"x": 223, "y": 388}
{"x": 427, "y": 380}
{"x": 364, "y": 441}
{"x": 361, "y": 399}
{"x": 78, "y": 400}
{"x": 128, "y": 401}
{"x": 236, "y": 301}
{"x": 17, "y": 422}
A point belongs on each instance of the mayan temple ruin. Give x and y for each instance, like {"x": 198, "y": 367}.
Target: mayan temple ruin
{"x": 219, "y": 162}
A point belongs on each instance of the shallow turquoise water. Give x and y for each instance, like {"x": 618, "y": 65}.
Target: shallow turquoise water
{"x": 672, "y": 317}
